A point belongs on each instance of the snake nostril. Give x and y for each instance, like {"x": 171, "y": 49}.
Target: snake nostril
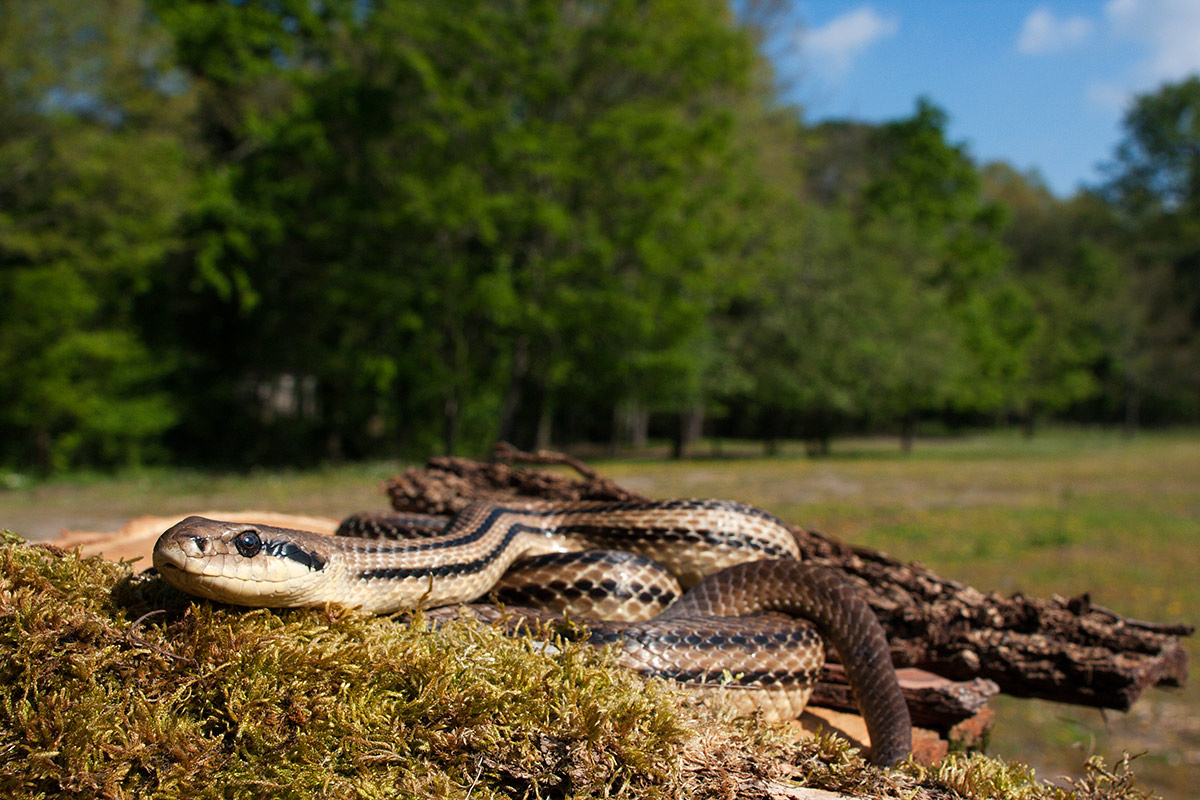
{"x": 200, "y": 541}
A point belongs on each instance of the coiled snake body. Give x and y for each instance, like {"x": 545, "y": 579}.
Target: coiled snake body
{"x": 738, "y": 563}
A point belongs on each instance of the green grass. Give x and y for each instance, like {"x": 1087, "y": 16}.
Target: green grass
{"x": 1067, "y": 512}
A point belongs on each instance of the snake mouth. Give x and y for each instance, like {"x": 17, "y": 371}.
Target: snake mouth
{"x": 173, "y": 572}
{"x": 169, "y": 559}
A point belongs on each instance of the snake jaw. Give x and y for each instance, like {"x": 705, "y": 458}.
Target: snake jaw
{"x": 210, "y": 559}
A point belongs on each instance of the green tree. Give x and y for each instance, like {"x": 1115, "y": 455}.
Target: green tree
{"x": 925, "y": 205}
{"x": 634, "y": 176}
{"x": 911, "y": 308}
{"x": 1154, "y": 183}
{"x": 94, "y": 176}
{"x": 455, "y": 219}
{"x": 1068, "y": 261}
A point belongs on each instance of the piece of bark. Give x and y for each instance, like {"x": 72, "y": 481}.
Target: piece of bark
{"x": 934, "y": 702}
{"x": 446, "y": 484}
{"x": 928, "y": 746}
{"x": 972, "y": 732}
{"x": 1064, "y": 650}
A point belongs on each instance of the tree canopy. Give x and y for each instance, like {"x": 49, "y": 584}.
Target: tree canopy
{"x": 285, "y": 231}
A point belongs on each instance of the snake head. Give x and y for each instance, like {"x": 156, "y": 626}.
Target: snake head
{"x": 245, "y": 564}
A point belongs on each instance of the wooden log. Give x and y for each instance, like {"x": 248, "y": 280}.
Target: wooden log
{"x": 448, "y": 483}
{"x": 1067, "y": 650}
{"x": 1058, "y": 649}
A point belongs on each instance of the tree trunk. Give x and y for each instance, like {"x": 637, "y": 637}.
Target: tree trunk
{"x": 545, "y": 422}
{"x": 639, "y": 431}
{"x": 1029, "y": 424}
{"x": 774, "y": 428}
{"x": 1133, "y": 403}
{"x": 512, "y": 395}
{"x": 450, "y": 416}
{"x": 630, "y": 426}
{"x": 691, "y": 425}
{"x": 908, "y": 432}
{"x": 43, "y": 444}
{"x": 333, "y": 446}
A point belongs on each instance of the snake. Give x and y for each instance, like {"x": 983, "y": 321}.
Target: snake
{"x": 738, "y": 614}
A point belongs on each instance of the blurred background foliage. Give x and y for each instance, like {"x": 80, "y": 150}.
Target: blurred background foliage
{"x": 289, "y": 232}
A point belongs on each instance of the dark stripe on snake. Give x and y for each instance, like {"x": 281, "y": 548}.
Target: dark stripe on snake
{"x": 781, "y": 678}
{"x": 588, "y": 557}
{"x": 403, "y": 524}
{"x": 619, "y": 535}
{"x": 648, "y": 635}
{"x": 476, "y": 533}
{"x": 288, "y": 550}
{"x": 398, "y": 526}
{"x": 446, "y": 570}
{"x": 481, "y": 529}
{"x": 548, "y": 593}
{"x": 675, "y": 505}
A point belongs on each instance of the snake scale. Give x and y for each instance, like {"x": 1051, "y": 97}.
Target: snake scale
{"x": 749, "y": 625}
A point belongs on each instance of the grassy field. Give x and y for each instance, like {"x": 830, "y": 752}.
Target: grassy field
{"x": 1066, "y": 512}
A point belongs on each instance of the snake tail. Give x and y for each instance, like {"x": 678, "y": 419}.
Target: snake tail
{"x": 830, "y": 602}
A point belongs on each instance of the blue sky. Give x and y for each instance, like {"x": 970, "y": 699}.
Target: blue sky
{"x": 1042, "y": 85}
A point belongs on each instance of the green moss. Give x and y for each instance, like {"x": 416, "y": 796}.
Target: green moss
{"x": 211, "y": 701}
{"x": 118, "y": 686}
{"x": 976, "y": 777}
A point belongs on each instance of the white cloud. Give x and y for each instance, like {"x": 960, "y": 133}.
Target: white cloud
{"x": 1043, "y": 32}
{"x": 1109, "y": 96}
{"x": 1169, "y": 28}
{"x": 834, "y": 46}
{"x": 1169, "y": 32}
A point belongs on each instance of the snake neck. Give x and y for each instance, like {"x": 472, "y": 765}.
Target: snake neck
{"x": 457, "y": 566}
{"x": 690, "y": 538}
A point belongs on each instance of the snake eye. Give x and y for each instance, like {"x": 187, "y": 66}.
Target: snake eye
{"x": 247, "y": 543}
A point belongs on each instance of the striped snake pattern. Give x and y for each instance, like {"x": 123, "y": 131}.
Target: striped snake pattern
{"x": 709, "y": 593}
